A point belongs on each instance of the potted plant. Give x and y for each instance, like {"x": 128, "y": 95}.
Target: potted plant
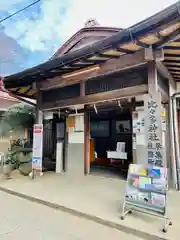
{"x": 9, "y": 164}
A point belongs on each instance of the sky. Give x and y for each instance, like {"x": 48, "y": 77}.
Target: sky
{"x": 34, "y": 35}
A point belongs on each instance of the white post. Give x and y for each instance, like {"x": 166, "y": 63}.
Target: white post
{"x": 37, "y": 154}
{"x": 172, "y": 139}
{"x": 59, "y": 157}
{"x": 153, "y": 123}
{"x": 176, "y": 140}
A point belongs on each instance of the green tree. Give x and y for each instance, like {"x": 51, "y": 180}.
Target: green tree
{"x": 20, "y": 115}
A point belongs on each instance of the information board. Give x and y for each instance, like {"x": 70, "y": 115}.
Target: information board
{"x": 146, "y": 188}
{"x": 37, "y": 147}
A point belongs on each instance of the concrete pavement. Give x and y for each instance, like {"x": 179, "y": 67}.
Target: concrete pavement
{"x": 93, "y": 198}
{"x": 21, "y": 219}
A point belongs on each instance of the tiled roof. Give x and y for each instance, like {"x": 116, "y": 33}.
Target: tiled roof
{"x": 159, "y": 31}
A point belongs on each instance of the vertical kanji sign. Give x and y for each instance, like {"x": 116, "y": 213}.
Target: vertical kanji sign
{"x": 37, "y": 147}
{"x": 154, "y": 132}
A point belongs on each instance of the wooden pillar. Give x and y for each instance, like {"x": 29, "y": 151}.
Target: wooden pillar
{"x": 38, "y": 120}
{"x": 86, "y": 133}
{"x": 39, "y": 116}
{"x": 65, "y": 147}
{"x": 152, "y": 78}
{"x": 39, "y": 113}
{"x": 86, "y": 142}
{"x": 82, "y": 88}
{"x": 153, "y": 108}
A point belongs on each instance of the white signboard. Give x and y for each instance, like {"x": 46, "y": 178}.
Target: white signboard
{"x": 37, "y": 147}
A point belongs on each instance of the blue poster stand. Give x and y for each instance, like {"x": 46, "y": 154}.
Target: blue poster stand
{"x": 146, "y": 192}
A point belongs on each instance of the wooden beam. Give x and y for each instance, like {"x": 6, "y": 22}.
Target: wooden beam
{"x": 152, "y": 78}
{"x": 99, "y": 97}
{"x": 115, "y": 65}
{"x": 82, "y": 88}
{"x": 165, "y": 73}
{"x": 172, "y": 37}
{"x": 107, "y": 107}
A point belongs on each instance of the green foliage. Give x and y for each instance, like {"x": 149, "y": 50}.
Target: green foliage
{"x": 10, "y": 158}
{"x": 20, "y": 115}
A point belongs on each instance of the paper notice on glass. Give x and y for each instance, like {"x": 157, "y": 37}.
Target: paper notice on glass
{"x": 140, "y": 139}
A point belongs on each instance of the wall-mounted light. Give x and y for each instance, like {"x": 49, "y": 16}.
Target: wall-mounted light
{"x": 59, "y": 113}
{"x": 119, "y": 104}
{"x": 95, "y": 109}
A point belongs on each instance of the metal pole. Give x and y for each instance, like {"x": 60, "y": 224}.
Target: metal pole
{"x": 173, "y": 156}
{"x": 176, "y": 140}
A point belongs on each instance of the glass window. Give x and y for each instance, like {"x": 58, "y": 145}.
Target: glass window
{"x": 99, "y": 128}
{"x": 123, "y": 126}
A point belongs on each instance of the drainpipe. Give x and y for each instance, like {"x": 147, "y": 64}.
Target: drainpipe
{"x": 175, "y": 141}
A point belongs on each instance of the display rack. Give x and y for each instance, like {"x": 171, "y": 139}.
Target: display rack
{"x": 132, "y": 202}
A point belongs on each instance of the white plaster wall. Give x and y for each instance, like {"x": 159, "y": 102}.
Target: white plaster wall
{"x": 76, "y": 137}
{"x": 75, "y": 155}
